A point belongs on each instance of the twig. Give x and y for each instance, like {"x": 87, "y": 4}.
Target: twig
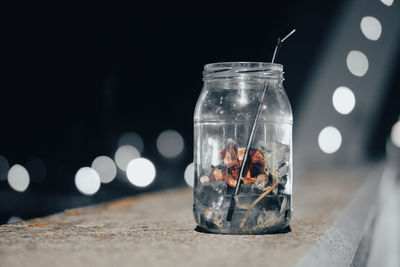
{"x": 269, "y": 190}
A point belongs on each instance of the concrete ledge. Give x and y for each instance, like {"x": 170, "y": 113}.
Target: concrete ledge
{"x": 338, "y": 246}
{"x": 158, "y": 230}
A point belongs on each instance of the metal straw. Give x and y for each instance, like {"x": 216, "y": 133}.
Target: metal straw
{"x": 253, "y": 130}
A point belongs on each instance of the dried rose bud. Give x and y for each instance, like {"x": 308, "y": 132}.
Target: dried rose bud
{"x": 204, "y": 179}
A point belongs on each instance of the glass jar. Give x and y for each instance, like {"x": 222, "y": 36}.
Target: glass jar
{"x": 223, "y": 119}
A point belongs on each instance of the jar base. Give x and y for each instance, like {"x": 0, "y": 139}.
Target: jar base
{"x": 270, "y": 215}
{"x": 284, "y": 230}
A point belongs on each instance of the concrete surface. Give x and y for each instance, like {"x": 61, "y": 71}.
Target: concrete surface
{"x": 339, "y": 245}
{"x": 158, "y": 230}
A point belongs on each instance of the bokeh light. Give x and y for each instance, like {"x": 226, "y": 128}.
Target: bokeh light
{"x": 343, "y": 100}
{"x": 357, "y": 63}
{"x": 387, "y": 2}
{"x": 371, "y": 28}
{"x": 170, "y": 143}
{"x": 18, "y": 178}
{"x": 189, "y": 175}
{"x": 4, "y": 167}
{"x": 124, "y": 155}
{"x": 14, "y": 219}
{"x": 329, "y": 139}
{"x": 36, "y": 169}
{"x": 87, "y": 181}
{"x": 395, "y": 134}
{"x": 132, "y": 139}
{"x": 141, "y": 172}
{"x": 105, "y": 167}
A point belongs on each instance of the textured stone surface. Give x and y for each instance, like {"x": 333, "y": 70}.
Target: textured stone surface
{"x": 158, "y": 229}
{"x": 339, "y": 244}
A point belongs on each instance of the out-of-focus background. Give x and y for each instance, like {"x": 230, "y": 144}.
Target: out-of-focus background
{"x": 86, "y": 89}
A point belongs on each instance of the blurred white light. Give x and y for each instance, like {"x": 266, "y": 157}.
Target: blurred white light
{"x": 36, "y": 168}
{"x": 87, "y": 181}
{"x": 357, "y": 63}
{"x": 4, "y": 167}
{"x": 18, "y": 178}
{"x": 189, "y": 175}
{"x": 371, "y": 28}
{"x": 395, "y": 134}
{"x": 329, "y": 139}
{"x": 124, "y": 155}
{"x": 105, "y": 167}
{"x": 14, "y": 219}
{"x": 387, "y": 2}
{"x": 170, "y": 143}
{"x": 343, "y": 100}
{"x": 141, "y": 172}
{"x": 133, "y": 139}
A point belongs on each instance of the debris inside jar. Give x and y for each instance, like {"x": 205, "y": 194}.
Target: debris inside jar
{"x": 263, "y": 167}
{"x": 262, "y": 205}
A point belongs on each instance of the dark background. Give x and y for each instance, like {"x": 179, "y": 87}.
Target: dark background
{"x": 74, "y": 78}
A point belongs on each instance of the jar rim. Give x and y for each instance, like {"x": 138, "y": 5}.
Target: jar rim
{"x": 242, "y": 68}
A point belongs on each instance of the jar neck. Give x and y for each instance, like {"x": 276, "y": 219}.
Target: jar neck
{"x": 243, "y": 72}
{"x": 242, "y": 84}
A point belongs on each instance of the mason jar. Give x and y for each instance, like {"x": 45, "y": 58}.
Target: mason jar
{"x": 223, "y": 119}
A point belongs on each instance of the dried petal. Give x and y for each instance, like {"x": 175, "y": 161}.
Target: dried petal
{"x": 231, "y": 181}
{"x": 229, "y": 162}
{"x": 229, "y": 155}
{"x": 240, "y": 153}
{"x": 249, "y": 180}
{"x": 230, "y": 159}
{"x": 256, "y": 156}
{"x": 218, "y": 175}
{"x": 204, "y": 179}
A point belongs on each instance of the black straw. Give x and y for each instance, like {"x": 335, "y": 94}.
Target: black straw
{"x": 276, "y": 51}
{"x": 246, "y": 153}
{"x": 252, "y": 132}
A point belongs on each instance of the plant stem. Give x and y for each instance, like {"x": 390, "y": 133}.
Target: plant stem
{"x": 269, "y": 190}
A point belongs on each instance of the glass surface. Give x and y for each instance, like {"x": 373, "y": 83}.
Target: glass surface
{"x": 222, "y": 123}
